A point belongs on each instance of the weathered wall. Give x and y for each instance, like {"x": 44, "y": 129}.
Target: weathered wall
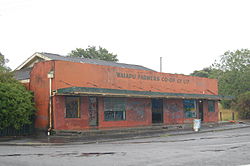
{"x": 70, "y": 74}
{"x": 138, "y": 113}
{"x": 62, "y": 123}
{"x": 173, "y": 111}
{"x": 39, "y": 84}
{"x": 210, "y": 116}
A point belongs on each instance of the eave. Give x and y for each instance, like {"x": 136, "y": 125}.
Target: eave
{"x": 90, "y": 91}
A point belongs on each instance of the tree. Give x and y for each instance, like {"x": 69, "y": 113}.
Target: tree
{"x": 3, "y": 61}
{"x": 16, "y": 105}
{"x": 243, "y": 105}
{"x": 234, "y": 73}
{"x": 206, "y": 72}
{"x": 92, "y": 53}
{"x": 234, "y": 60}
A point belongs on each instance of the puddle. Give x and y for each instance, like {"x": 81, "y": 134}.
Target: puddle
{"x": 221, "y": 150}
{"x": 95, "y": 154}
{"x": 214, "y": 150}
{"x": 235, "y": 147}
{"x": 17, "y": 154}
{"x": 71, "y": 154}
{"x": 209, "y": 137}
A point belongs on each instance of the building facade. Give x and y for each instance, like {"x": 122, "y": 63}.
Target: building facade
{"x": 79, "y": 95}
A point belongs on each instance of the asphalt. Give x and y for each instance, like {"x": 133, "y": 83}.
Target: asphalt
{"x": 99, "y": 136}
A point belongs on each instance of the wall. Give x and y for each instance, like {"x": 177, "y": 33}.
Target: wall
{"x": 173, "y": 111}
{"x": 39, "y": 84}
{"x": 210, "y": 116}
{"x": 138, "y": 113}
{"x": 62, "y": 123}
{"x": 70, "y": 74}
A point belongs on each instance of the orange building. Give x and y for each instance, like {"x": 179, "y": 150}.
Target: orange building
{"x": 77, "y": 94}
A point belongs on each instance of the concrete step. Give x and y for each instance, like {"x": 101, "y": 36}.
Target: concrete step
{"x": 120, "y": 131}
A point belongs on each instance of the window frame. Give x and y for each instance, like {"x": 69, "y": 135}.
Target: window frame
{"x": 112, "y": 101}
{"x": 78, "y": 107}
{"x": 193, "y": 112}
{"x": 211, "y": 105}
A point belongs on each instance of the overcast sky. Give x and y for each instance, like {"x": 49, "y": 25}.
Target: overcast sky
{"x": 188, "y": 34}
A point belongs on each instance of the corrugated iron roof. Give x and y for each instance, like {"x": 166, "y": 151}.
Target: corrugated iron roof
{"x": 93, "y": 61}
{"x": 22, "y": 73}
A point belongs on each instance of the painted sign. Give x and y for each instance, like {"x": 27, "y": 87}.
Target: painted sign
{"x": 70, "y": 74}
{"x": 151, "y": 78}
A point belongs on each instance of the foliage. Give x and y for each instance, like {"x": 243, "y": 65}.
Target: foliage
{"x": 201, "y": 73}
{"x": 92, "y": 53}
{"x": 233, "y": 74}
{"x": 206, "y": 72}
{"x": 243, "y": 105}
{"x": 234, "y": 60}
{"x": 16, "y": 105}
{"x": 3, "y": 61}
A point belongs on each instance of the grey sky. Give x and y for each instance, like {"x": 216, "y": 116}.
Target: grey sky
{"x": 189, "y": 35}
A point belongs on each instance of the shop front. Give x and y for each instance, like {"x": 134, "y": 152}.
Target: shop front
{"x": 74, "y": 95}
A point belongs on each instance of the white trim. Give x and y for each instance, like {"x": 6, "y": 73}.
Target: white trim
{"x": 31, "y": 58}
{"x": 25, "y": 81}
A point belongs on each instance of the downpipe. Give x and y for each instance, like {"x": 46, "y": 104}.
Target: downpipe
{"x": 50, "y": 76}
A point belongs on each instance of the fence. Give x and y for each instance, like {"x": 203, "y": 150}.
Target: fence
{"x": 23, "y": 131}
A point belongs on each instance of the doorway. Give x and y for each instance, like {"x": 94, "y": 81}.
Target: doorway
{"x": 201, "y": 112}
{"x": 157, "y": 110}
{"x": 93, "y": 111}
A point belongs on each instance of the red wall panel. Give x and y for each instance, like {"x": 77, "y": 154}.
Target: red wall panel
{"x": 138, "y": 113}
{"x": 173, "y": 111}
{"x": 62, "y": 123}
{"x": 70, "y": 74}
{"x": 39, "y": 84}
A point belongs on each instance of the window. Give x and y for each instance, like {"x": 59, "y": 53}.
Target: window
{"x": 72, "y": 105}
{"x": 189, "y": 108}
{"x": 114, "y": 109}
{"x": 211, "y": 106}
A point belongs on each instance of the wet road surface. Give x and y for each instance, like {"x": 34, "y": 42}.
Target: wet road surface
{"x": 230, "y": 147}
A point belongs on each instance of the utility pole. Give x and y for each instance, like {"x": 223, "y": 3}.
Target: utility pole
{"x": 160, "y": 64}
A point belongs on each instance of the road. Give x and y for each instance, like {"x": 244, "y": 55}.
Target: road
{"x": 230, "y": 147}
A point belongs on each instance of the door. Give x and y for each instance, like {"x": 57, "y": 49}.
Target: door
{"x": 201, "y": 113}
{"x": 157, "y": 111}
{"x": 93, "y": 111}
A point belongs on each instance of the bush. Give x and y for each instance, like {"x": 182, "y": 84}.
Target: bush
{"x": 16, "y": 104}
{"x": 242, "y": 105}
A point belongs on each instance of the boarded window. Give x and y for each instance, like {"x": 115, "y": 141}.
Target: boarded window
{"x": 211, "y": 106}
{"x": 114, "y": 109}
{"x": 72, "y": 105}
{"x": 189, "y": 108}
